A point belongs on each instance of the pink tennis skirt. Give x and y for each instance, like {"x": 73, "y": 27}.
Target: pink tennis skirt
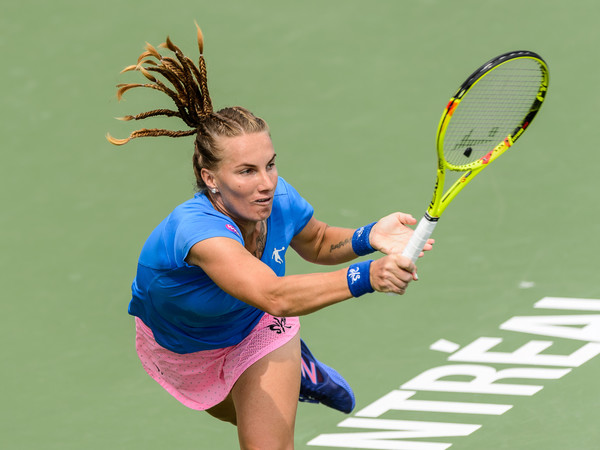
{"x": 204, "y": 379}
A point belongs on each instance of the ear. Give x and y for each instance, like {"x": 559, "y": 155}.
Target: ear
{"x": 208, "y": 177}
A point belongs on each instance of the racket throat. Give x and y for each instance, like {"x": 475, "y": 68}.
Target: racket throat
{"x": 429, "y": 218}
{"x": 454, "y": 190}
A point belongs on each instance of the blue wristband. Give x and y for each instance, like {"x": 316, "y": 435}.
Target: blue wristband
{"x": 359, "y": 278}
{"x": 360, "y": 240}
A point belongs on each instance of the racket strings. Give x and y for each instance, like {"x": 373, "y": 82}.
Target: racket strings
{"x": 491, "y": 110}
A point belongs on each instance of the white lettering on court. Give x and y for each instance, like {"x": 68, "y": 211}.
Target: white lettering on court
{"x": 478, "y": 377}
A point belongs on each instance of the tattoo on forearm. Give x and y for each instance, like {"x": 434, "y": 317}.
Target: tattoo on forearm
{"x": 339, "y": 245}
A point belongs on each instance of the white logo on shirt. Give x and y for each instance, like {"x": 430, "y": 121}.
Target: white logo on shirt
{"x": 276, "y": 256}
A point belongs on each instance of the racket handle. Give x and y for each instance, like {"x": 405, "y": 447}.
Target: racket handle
{"x": 419, "y": 238}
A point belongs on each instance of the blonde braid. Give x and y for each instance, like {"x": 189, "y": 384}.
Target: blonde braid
{"x": 188, "y": 91}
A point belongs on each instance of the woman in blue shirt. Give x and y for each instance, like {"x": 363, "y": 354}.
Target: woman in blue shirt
{"x": 216, "y": 316}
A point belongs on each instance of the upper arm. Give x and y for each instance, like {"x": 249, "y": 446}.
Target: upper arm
{"x": 319, "y": 243}
{"x": 309, "y": 241}
{"x": 248, "y": 279}
{"x": 236, "y": 271}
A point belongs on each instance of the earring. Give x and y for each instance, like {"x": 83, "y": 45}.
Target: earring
{"x": 214, "y": 190}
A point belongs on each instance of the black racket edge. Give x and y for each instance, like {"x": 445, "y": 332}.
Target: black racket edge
{"x": 491, "y": 64}
{"x": 477, "y": 74}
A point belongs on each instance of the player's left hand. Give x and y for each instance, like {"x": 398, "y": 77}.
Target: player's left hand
{"x": 391, "y": 234}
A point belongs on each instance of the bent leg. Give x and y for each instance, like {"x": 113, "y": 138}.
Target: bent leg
{"x": 266, "y": 399}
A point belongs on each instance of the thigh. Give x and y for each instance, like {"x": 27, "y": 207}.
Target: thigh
{"x": 266, "y": 399}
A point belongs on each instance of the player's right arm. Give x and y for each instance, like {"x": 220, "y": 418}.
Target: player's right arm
{"x": 243, "y": 276}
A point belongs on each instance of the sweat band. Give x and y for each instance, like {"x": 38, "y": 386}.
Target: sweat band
{"x": 360, "y": 240}
{"x": 359, "y": 279}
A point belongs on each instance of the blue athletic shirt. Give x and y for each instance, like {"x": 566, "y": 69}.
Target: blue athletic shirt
{"x": 184, "y": 308}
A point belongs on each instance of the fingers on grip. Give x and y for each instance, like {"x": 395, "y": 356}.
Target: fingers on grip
{"x": 392, "y": 273}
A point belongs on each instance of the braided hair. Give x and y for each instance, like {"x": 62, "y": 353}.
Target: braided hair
{"x": 186, "y": 85}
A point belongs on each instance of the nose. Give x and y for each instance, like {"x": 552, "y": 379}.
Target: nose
{"x": 268, "y": 181}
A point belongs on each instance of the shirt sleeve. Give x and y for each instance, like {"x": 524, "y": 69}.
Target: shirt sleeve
{"x": 298, "y": 210}
{"x": 199, "y": 225}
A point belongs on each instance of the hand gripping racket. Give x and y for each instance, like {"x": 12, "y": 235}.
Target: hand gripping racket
{"x": 485, "y": 117}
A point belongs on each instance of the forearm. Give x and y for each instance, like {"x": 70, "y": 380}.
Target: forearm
{"x": 321, "y": 244}
{"x": 304, "y": 294}
{"x": 336, "y": 246}
{"x": 297, "y": 295}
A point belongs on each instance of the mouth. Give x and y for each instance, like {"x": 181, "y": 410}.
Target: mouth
{"x": 264, "y": 201}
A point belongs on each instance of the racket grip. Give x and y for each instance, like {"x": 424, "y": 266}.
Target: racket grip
{"x": 419, "y": 238}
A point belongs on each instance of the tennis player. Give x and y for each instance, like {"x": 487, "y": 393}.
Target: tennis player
{"x": 216, "y": 316}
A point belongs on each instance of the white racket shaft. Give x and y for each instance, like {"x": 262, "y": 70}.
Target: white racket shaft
{"x": 419, "y": 238}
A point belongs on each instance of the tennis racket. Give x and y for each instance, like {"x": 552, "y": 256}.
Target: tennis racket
{"x": 485, "y": 117}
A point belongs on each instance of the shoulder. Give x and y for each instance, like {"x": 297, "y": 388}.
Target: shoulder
{"x": 196, "y": 206}
{"x": 282, "y": 187}
{"x": 287, "y": 191}
{"x": 192, "y": 221}
{"x": 290, "y": 209}
{"x": 197, "y": 219}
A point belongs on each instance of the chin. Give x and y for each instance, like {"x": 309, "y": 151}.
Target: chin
{"x": 264, "y": 212}
{"x": 255, "y": 216}
{"x": 264, "y": 216}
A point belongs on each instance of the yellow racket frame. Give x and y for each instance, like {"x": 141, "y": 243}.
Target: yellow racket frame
{"x": 441, "y": 200}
